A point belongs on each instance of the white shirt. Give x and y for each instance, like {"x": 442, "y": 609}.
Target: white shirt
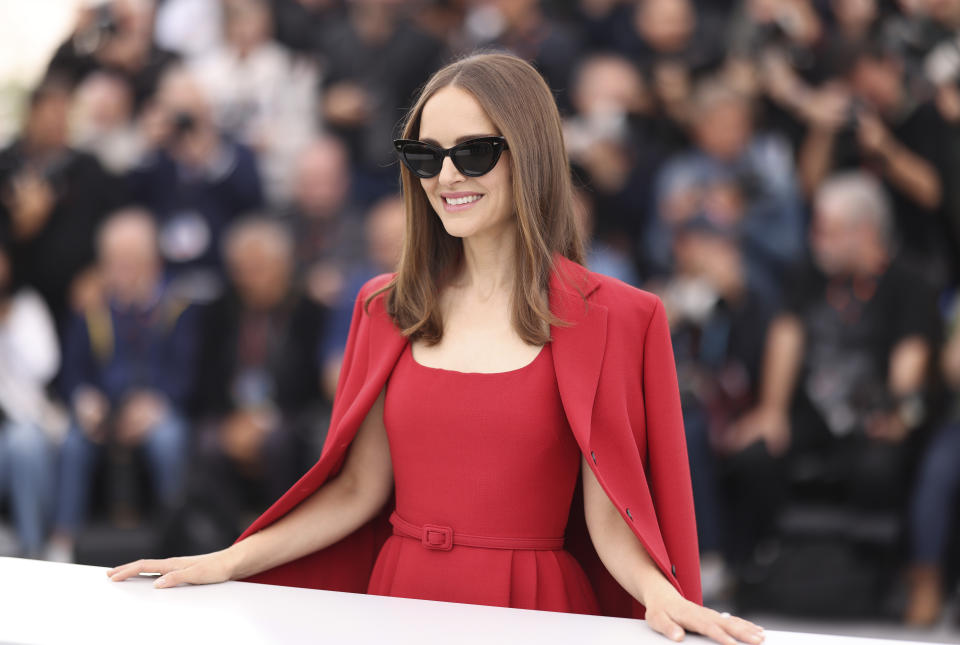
{"x": 29, "y": 359}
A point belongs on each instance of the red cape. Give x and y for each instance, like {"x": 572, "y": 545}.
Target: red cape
{"x": 618, "y": 384}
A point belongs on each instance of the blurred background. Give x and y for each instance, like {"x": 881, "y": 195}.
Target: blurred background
{"x": 193, "y": 191}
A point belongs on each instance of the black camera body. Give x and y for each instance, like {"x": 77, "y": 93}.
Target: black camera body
{"x": 182, "y": 125}
{"x": 102, "y": 28}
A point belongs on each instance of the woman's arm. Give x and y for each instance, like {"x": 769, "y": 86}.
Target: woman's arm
{"x": 629, "y": 563}
{"x": 333, "y": 511}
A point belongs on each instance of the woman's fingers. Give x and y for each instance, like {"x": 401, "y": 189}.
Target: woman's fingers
{"x": 743, "y": 627}
{"x": 724, "y": 628}
{"x": 720, "y": 627}
{"x": 718, "y": 633}
{"x": 125, "y": 571}
{"x": 202, "y": 572}
{"x": 194, "y": 569}
{"x": 171, "y": 579}
{"x": 195, "y": 574}
{"x": 662, "y": 622}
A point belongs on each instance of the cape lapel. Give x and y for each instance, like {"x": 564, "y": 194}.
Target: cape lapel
{"x": 577, "y": 349}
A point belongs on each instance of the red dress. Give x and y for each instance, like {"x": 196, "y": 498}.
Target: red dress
{"x": 488, "y": 462}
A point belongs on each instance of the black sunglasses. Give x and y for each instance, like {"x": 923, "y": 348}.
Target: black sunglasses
{"x": 473, "y": 158}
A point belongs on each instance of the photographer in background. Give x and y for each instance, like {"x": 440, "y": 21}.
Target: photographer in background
{"x": 101, "y": 122}
{"x": 195, "y": 180}
{"x": 717, "y": 325}
{"x": 674, "y": 44}
{"x": 261, "y": 94}
{"x": 374, "y": 57}
{"x": 846, "y": 373}
{"x": 52, "y": 198}
{"x": 115, "y": 36}
{"x": 736, "y": 177}
{"x": 788, "y": 29}
{"x": 872, "y": 119}
{"x": 614, "y": 145}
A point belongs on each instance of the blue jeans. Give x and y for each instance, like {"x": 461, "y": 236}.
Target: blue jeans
{"x": 27, "y": 460}
{"x": 703, "y": 478}
{"x": 166, "y": 450}
{"x": 934, "y": 495}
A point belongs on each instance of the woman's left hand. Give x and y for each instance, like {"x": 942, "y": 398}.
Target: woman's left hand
{"x": 670, "y": 614}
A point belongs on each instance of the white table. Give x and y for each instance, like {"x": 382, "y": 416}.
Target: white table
{"x": 46, "y": 602}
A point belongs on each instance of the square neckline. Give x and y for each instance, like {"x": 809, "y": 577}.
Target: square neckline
{"x": 409, "y": 351}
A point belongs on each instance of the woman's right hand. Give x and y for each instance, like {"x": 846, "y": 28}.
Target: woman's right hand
{"x": 195, "y": 569}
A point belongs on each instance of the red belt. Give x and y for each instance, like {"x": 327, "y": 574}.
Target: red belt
{"x": 437, "y": 536}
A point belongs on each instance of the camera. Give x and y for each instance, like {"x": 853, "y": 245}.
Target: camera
{"x": 105, "y": 21}
{"x": 103, "y": 27}
{"x": 850, "y": 119}
{"x": 183, "y": 123}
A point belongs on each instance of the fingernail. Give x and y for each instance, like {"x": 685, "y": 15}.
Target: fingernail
{"x": 159, "y": 582}
{"x": 676, "y": 634}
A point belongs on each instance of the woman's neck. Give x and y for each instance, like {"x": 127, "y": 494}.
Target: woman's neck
{"x": 489, "y": 265}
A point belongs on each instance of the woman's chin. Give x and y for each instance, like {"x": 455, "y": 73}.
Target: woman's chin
{"x": 457, "y": 228}
{"x": 466, "y": 224}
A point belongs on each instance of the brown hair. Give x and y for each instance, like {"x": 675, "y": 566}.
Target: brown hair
{"x": 519, "y": 103}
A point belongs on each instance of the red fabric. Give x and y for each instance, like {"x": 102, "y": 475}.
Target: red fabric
{"x": 481, "y": 471}
{"x": 617, "y": 380}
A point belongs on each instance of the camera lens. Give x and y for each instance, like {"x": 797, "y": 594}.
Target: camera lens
{"x": 183, "y": 123}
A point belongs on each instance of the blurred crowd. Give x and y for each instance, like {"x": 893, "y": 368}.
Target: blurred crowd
{"x": 199, "y": 188}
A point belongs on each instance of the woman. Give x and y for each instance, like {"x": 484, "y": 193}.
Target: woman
{"x": 491, "y": 310}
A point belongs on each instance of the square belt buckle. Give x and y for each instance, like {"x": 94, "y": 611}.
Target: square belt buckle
{"x": 437, "y": 537}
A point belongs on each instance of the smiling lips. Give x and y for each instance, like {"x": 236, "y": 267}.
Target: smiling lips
{"x": 459, "y": 201}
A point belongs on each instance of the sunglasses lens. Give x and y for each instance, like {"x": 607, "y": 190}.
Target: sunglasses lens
{"x": 475, "y": 158}
{"x": 472, "y": 158}
{"x": 421, "y": 160}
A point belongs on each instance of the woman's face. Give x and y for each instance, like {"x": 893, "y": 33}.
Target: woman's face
{"x": 450, "y": 116}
